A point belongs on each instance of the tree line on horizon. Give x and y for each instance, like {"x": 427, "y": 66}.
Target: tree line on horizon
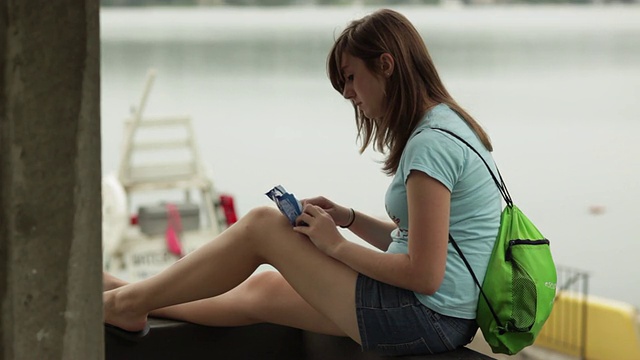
{"x": 114, "y": 3}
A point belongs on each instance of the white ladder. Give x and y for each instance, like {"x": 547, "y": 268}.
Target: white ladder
{"x": 185, "y": 174}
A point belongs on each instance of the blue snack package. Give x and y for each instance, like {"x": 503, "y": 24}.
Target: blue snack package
{"x": 286, "y": 202}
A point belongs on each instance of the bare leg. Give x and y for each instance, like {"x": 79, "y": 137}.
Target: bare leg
{"x": 110, "y": 282}
{"x": 263, "y": 297}
{"x": 263, "y": 236}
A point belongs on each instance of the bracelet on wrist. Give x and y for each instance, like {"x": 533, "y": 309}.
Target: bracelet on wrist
{"x": 352, "y": 218}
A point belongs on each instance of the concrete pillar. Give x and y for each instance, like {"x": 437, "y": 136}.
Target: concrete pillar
{"x": 50, "y": 206}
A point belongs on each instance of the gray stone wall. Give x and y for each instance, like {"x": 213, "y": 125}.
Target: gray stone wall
{"x": 50, "y": 206}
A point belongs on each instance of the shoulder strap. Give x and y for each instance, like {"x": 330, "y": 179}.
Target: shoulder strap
{"x": 500, "y": 184}
{"x": 475, "y": 278}
{"x": 507, "y": 198}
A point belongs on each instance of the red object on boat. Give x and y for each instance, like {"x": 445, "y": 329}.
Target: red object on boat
{"x": 174, "y": 228}
{"x": 226, "y": 201}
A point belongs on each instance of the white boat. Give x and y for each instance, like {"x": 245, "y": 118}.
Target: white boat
{"x": 155, "y": 210}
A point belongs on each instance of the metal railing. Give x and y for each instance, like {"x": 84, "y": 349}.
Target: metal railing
{"x": 566, "y": 328}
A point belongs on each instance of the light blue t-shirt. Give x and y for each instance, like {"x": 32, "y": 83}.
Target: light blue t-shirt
{"x": 475, "y": 205}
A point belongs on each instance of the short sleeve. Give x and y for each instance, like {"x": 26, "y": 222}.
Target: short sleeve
{"x": 434, "y": 154}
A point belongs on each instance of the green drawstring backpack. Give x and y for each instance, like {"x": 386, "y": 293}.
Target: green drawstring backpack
{"x": 519, "y": 286}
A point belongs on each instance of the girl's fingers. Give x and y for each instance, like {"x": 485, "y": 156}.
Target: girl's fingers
{"x": 313, "y": 210}
{"x": 320, "y": 201}
{"x": 303, "y": 218}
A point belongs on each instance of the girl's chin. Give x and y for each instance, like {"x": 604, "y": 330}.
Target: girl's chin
{"x": 370, "y": 116}
{"x": 375, "y": 118}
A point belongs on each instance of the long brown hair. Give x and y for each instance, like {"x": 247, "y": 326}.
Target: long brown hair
{"x": 413, "y": 81}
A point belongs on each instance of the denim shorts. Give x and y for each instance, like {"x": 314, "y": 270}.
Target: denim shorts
{"x": 393, "y": 322}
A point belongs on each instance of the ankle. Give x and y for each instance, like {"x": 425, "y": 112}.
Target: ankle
{"x": 125, "y": 301}
{"x": 122, "y": 309}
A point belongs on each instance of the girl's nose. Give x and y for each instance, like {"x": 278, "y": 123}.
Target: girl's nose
{"x": 347, "y": 92}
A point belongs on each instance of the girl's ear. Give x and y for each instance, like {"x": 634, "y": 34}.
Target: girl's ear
{"x": 387, "y": 63}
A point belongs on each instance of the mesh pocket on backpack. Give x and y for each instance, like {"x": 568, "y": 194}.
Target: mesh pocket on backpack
{"x": 524, "y": 299}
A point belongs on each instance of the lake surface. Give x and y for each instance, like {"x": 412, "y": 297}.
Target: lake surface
{"x": 556, "y": 87}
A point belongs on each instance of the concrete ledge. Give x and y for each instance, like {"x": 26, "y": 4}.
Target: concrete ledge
{"x": 170, "y": 339}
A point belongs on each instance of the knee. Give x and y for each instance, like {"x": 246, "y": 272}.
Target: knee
{"x": 259, "y": 290}
{"x": 263, "y": 283}
{"x": 263, "y": 231}
{"x": 263, "y": 213}
{"x": 262, "y": 219}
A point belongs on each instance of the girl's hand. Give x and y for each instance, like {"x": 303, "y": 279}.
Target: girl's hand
{"x": 339, "y": 214}
{"x": 318, "y": 225}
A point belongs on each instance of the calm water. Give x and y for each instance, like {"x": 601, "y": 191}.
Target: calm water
{"x": 556, "y": 87}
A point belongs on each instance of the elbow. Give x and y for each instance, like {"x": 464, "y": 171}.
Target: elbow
{"x": 426, "y": 289}
{"x": 426, "y": 285}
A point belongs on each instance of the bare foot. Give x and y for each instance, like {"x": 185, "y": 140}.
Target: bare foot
{"x": 110, "y": 282}
{"x": 119, "y": 312}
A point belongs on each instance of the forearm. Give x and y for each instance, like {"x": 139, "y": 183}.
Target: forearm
{"x": 372, "y": 230}
{"x": 394, "y": 269}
